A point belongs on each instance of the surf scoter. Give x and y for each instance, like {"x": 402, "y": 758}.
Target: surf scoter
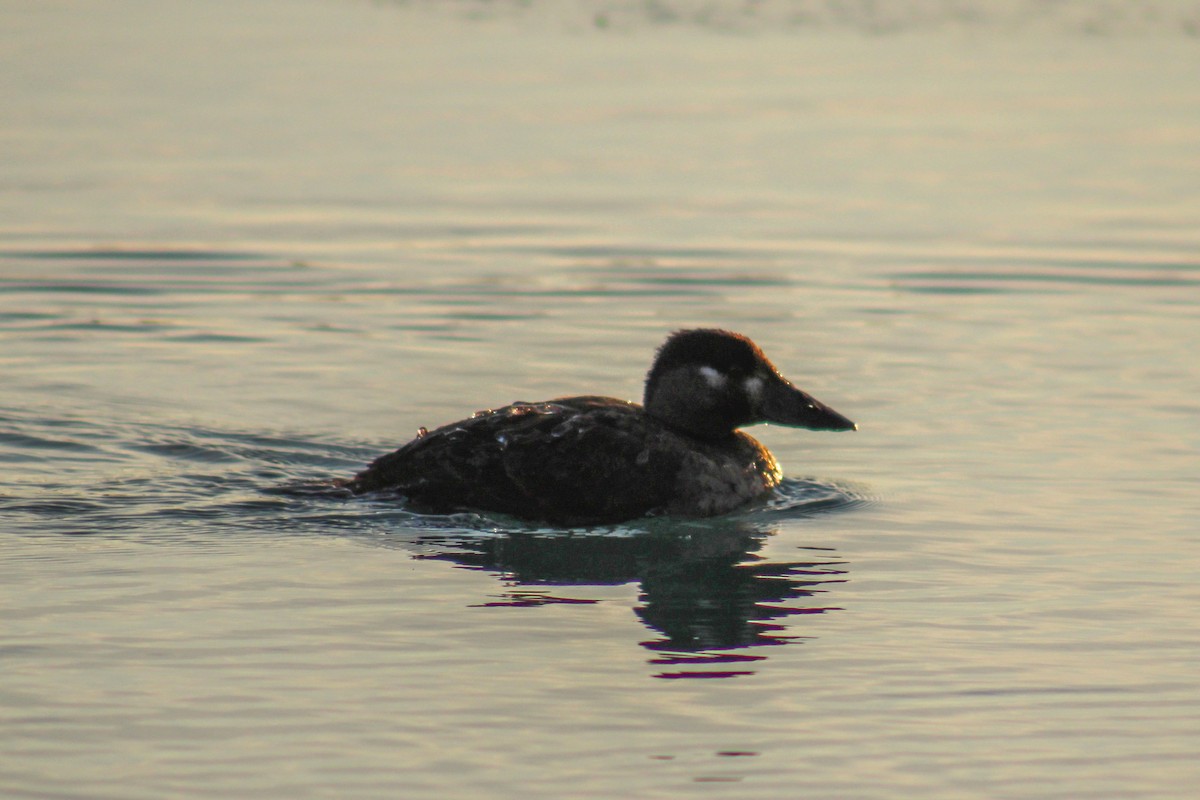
{"x": 595, "y": 460}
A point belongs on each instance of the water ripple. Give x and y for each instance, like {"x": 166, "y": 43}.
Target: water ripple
{"x": 1034, "y": 271}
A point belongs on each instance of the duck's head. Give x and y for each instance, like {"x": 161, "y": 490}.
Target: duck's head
{"x": 709, "y": 382}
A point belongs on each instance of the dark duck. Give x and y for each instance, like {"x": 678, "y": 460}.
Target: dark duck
{"x": 597, "y": 460}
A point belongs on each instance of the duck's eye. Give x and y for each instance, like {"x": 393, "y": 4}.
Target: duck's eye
{"x": 712, "y": 377}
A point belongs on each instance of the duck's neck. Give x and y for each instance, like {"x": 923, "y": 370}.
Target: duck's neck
{"x": 679, "y": 409}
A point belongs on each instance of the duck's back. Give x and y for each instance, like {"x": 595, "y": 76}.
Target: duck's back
{"x": 578, "y": 460}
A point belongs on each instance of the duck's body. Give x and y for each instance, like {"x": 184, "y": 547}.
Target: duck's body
{"x": 575, "y": 460}
{"x": 592, "y": 460}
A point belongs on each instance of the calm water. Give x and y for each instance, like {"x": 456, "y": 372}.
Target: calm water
{"x": 244, "y": 247}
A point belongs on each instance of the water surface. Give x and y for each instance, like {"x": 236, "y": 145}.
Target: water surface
{"x": 244, "y": 249}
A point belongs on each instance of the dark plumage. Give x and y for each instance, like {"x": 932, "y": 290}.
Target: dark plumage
{"x": 591, "y": 460}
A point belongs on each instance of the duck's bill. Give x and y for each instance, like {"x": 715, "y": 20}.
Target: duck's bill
{"x": 784, "y": 404}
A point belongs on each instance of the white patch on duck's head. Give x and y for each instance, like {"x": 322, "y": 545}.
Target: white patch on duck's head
{"x": 754, "y": 387}
{"x": 712, "y": 377}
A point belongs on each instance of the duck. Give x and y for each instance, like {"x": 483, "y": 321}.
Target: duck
{"x": 592, "y": 460}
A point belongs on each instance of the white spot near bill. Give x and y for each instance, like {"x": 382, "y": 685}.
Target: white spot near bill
{"x": 754, "y": 387}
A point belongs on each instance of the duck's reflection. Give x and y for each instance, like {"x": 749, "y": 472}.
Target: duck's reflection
{"x": 711, "y": 600}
